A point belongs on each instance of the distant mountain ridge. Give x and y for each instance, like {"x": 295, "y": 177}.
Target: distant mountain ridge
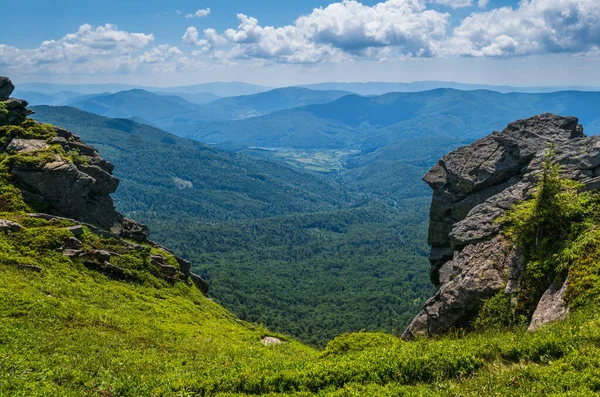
{"x": 380, "y": 88}
{"x": 230, "y": 89}
{"x": 172, "y": 112}
{"x": 221, "y": 89}
{"x": 372, "y": 122}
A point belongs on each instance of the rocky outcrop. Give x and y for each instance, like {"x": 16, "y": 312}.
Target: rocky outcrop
{"x": 66, "y": 179}
{"x": 6, "y": 88}
{"x": 472, "y": 187}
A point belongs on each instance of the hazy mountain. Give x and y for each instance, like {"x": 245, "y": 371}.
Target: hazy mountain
{"x": 40, "y": 98}
{"x": 174, "y": 113}
{"x": 51, "y": 88}
{"x": 247, "y": 106}
{"x": 134, "y": 103}
{"x": 380, "y": 88}
{"x": 222, "y": 89}
{"x": 199, "y": 98}
{"x": 175, "y": 177}
{"x": 370, "y": 122}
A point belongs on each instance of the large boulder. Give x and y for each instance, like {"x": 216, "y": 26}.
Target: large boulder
{"x": 6, "y": 88}
{"x": 473, "y": 186}
{"x": 551, "y": 307}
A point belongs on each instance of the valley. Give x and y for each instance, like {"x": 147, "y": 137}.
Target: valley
{"x": 324, "y": 198}
{"x": 241, "y": 212}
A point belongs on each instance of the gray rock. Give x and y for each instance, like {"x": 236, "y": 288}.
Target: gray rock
{"x": 72, "y": 243}
{"x": 68, "y": 192}
{"x": 473, "y": 186}
{"x": 70, "y": 253}
{"x": 9, "y": 226}
{"x": 479, "y": 272}
{"x": 6, "y": 88}
{"x": 77, "y": 230}
{"x": 105, "y": 183}
{"x": 157, "y": 259}
{"x": 16, "y": 112}
{"x": 270, "y": 341}
{"x": 32, "y": 268}
{"x": 551, "y": 307}
{"x": 199, "y": 283}
{"x": 134, "y": 230}
{"x": 184, "y": 266}
{"x": 27, "y": 145}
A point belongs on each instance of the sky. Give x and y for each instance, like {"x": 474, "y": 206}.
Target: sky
{"x": 278, "y": 43}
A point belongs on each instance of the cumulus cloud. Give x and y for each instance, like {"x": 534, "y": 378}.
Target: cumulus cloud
{"x": 199, "y": 14}
{"x": 344, "y": 31}
{"x": 339, "y": 31}
{"x": 104, "y": 49}
{"x": 455, "y": 3}
{"x": 534, "y": 27}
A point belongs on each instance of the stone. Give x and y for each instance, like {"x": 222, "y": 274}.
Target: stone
{"x": 270, "y": 341}
{"x": 70, "y": 253}
{"x": 72, "y": 243}
{"x": 105, "y": 183}
{"x": 9, "y": 226}
{"x": 184, "y": 266}
{"x": 479, "y": 272}
{"x": 551, "y": 307}
{"x": 199, "y": 283}
{"x": 76, "y": 230}
{"x": 68, "y": 192}
{"x": 157, "y": 259}
{"x": 134, "y": 230}
{"x": 27, "y": 145}
{"x": 108, "y": 269}
{"x": 16, "y": 112}
{"x": 99, "y": 256}
{"x": 6, "y": 88}
{"x": 32, "y": 268}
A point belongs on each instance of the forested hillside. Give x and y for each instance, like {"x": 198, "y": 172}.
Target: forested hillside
{"x": 168, "y": 177}
{"x": 344, "y": 265}
{"x": 315, "y": 275}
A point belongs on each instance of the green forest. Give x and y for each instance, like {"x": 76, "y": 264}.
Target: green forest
{"x": 296, "y": 251}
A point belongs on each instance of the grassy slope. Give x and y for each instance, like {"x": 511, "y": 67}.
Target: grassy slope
{"x": 68, "y": 331}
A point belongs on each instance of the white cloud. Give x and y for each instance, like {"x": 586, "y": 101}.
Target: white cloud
{"x": 534, "y": 27}
{"x": 454, "y": 3}
{"x": 191, "y": 37}
{"x": 101, "y": 50}
{"x": 338, "y": 32}
{"x": 199, "y": 14}
{"x": 178, "y": 12}
{"x": 342, "y": 33}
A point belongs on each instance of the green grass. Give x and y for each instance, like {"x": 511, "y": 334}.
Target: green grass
{"x": 70, "y": 331}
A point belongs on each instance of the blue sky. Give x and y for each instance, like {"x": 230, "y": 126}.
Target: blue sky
{"x": 534, "y": 42}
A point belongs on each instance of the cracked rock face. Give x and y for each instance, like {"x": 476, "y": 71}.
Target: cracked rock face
{"x": 76, "y": 191}
{"x": 474, "y": 185}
